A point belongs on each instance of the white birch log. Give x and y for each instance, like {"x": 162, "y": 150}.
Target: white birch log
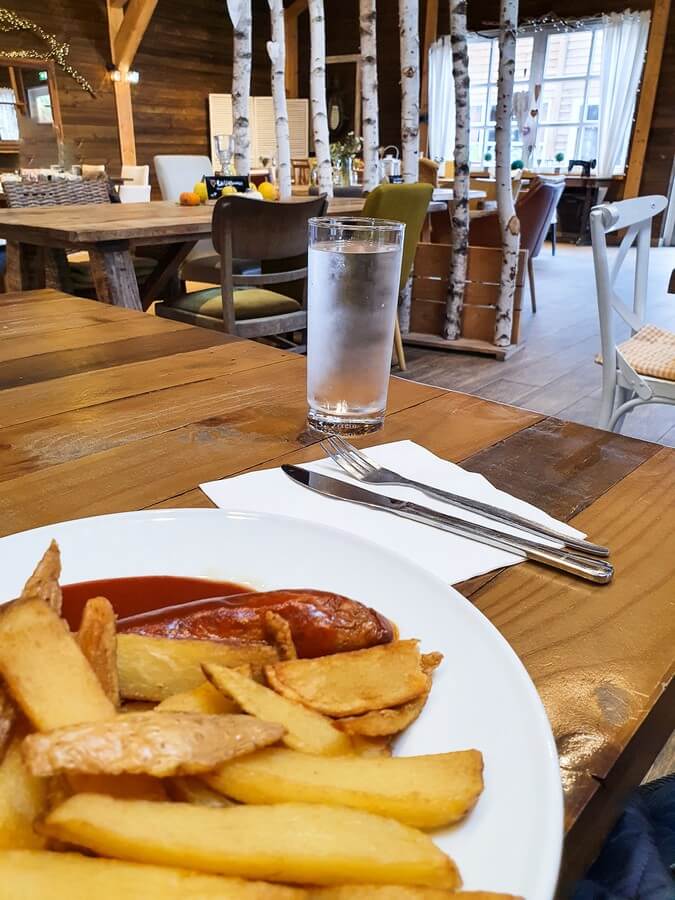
{"x": 508, "y": 221}
{"x": 276, "y": 50}
{"x": 370, "y": 115}
{"x": 317, "y": 95}
{"x": 408, "y": 26}
{"x": 460, "y": 211}
{"x": 240, "y": 15}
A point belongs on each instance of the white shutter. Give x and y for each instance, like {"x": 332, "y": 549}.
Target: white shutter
{"x": 261, "y": 116}
{"x": 298, "y": 124}
{"x": 263, "y": 137}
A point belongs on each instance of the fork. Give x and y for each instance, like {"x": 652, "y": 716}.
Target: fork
{"x": 355, "y": 463}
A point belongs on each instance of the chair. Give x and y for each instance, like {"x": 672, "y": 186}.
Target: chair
{"x": 428, "y": 171}
{"x": 242, "y": 305}
{"x": 134, "y": 193}
{"x": 136, "y": 175}
{"x": 93, "y": 172}
{"x": 60, "y": 271}
{"x": 407, "y": 203}
{"x": 535, "y": 210}
{"x": 449, "y": 169}
{"x": 642, "y": 368}
{"x": 176, "y": 174}
{"x": 300, "y": 171}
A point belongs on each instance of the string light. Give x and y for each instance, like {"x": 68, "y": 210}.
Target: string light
{"x": 58, "y": 51}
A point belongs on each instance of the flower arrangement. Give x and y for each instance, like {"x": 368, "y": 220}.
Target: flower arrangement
{"x": 346, "y": 149}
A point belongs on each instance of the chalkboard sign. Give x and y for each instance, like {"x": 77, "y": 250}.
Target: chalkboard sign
{"x": 396, "y": 179}
{"x": 215, "y": 184}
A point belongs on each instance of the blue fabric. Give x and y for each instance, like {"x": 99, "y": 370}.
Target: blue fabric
{"x": 637, "y": 861}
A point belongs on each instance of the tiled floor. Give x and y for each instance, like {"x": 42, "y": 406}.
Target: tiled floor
{"x": 555, "y": 372}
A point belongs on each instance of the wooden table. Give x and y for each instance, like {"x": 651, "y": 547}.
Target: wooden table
{"x": 104, "y": 410}
{"x": 37, "y": 238}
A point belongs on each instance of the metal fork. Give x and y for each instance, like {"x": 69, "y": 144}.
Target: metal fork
{"x": 355, "y": 463}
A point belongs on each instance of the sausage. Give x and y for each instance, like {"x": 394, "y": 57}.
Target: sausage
{"x": 321, "y": 622}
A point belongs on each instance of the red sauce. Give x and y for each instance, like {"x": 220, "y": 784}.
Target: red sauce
{"x": 143, "y": 594}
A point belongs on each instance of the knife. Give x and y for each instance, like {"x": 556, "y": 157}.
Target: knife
{"x": 592, "y": 569}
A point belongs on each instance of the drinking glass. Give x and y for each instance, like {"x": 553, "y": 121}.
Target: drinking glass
{"x": 353, "y": 281}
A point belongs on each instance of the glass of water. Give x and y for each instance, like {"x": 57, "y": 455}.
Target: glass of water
{"x": 353, "y": 281}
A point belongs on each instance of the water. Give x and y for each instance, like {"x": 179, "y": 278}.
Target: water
{"x": 352, "y": 300}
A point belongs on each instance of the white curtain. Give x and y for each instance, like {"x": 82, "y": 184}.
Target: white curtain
{"x": 441, "y": 101}
{"x": 9, "y": 125}
{"x": 624, "y": 42}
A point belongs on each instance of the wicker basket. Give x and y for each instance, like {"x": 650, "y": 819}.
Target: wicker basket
{"x": 56, "y": 193}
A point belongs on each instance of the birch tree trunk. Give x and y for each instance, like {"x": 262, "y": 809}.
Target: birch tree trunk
{"x": 408, "y": 25}
{"x": 508, "y": 221}
{"x": 370, "y": 115}
{"x": 240, "y": 14}
{"x": 460, "y": 210}
{"x": 317, "y": 95}
{"x": 276, "y": 50}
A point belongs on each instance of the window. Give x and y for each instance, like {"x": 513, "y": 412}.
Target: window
{"x": 567, "y": 66}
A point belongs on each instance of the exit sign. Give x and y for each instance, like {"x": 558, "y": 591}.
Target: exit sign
{"x": 43, "y": 75}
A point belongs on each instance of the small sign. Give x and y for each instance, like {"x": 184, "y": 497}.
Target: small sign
{"x": 43, "y": 75}
{"x": 396, "y": 179}
{"x": 216, "y": 183}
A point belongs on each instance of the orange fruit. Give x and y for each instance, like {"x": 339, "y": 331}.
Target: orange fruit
{"x": 189, "y": 198}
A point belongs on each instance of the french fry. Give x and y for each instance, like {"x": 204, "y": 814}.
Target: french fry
{"x": 292, "y": 843}
{"x": 384, "y": 722}
{"x": 69, "y": 876}
{"x": 179, "y": 743}
{"x": 23, "y": 798}
{"x": 398, "y": 892}
{"x": 154, "y": 668}
{"x": 203, "y": 699}
{"x": 364, "y": 746}
{"x": 187, "y": 789}
{"x": 97, "y": 638}
{"x": 424, "y": 791}
{"x": 306, "y": 730}
{"x": 348, "y": 684}
{"x": 278, "y": 632}
{"x": 45, "y": 671}
{"x": 7, "y": 718}
{"x": 43, "y": 584}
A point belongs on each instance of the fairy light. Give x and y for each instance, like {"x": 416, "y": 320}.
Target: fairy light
{"x": 56, "y": 50}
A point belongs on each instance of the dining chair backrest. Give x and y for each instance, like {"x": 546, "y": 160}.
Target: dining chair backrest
{"x": 134, "y": 193}
{"x": 407, "y": 203}
{"x": 56, "y": 193}
{"x": 244, "y": 228}
{"x": 136, "y": 175}
{"x": 89, "y": 171}
{"x": 176, "y": 174}
{"x": 428, "y": 171}
{"x": 636, "y": 216}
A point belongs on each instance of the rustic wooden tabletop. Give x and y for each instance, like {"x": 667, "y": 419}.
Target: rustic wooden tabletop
{"x": 103, "y": 409}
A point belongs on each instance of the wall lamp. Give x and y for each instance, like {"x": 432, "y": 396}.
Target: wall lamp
{"x": 131, "y": 76}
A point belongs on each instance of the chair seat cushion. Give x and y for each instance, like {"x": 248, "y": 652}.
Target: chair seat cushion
{"x": 249, "y": 303}
{"x": 651, "y": 351}
{"x": 80, "y": 272}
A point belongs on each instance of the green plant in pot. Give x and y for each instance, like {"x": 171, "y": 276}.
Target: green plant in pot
{"x": 517, "y": 164}
{"x": 559, "y": 157}
{"x": 342, "y": 154}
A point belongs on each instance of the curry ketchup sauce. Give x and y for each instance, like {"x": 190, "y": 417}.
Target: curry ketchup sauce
{"x": 321, "y": 622}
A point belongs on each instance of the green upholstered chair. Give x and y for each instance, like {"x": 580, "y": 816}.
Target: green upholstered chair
{"x": 277, "y": 235}
{"x": 407, "y": 203}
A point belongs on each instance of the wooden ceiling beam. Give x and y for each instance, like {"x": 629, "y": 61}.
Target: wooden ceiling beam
{"x": 136, "y": 19}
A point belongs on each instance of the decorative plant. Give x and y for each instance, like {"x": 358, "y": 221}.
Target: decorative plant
{"x": 517, "y": 164}
{"x": 559, "y": 157}
{"x": 488, "y": 157}
{"x": 347, "y": 149}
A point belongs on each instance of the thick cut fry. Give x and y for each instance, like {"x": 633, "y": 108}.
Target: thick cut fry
{"x": 383, "y": 722}
{"x": 7, "y": 718}
{"x": 187, "y": 789}
{"x": 124, "y": 787}
{"x": 398, "y": 892}
{"x": 23, "y": 798}
{"x": 45, "y": 671}
{"x": 43, "y": 584}
{"x": 179, "y": 743}
{"x": 40, "y": 875}
{"x": 97, "y": 638}
{"x": 292, "y": 842}
{"x": 306, "y": 730}
{"x": 347, "y": 684}
{"x": 153, "y": 668}
{"x": 425, "y": 791}
{"x": 203, "y": 699}
{"x": 364, "y": 746}
{"x": 278, "y": 632}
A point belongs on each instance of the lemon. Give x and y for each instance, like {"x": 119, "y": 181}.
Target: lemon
{"x": 228, "y": 190}
{"x": 268, "y": 191}
{"x": 200, "y": 190}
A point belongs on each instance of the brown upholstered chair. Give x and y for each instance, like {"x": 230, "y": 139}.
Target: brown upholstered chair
{"x": 535, "y": 210}
{"x": 428, "y": 171}
{"x": 275, "y": 234}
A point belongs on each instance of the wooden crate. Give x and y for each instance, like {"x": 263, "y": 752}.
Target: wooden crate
{"x": 430, "y": 291}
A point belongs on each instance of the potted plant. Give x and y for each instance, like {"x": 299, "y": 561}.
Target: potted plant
{"x": 488, "y": 159}
{"x": 517, "y": 164}
{"x": 559, "y": 157}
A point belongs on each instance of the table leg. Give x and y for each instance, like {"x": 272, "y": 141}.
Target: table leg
{"x": 165, "y": 272}
{"x": 112, "y": 269}
{"x": 25, "y": 267}
{"x": 57, "y": 271}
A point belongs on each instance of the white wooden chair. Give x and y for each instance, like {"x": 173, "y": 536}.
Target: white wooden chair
{"x": 642, "y": 368}
{"x": 136, "y": 176}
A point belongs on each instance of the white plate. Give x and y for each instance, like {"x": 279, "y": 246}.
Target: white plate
{"x": 482, "y": 696}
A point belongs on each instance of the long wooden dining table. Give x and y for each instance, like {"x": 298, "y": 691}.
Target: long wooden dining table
{"x": 109, "y": 232}
{"x": 104, "y": 409}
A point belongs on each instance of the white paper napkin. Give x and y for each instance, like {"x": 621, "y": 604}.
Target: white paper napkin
{"x": 450, "y": 557}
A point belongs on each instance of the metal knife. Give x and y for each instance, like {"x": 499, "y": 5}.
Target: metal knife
{"x": 590, "y": 568}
